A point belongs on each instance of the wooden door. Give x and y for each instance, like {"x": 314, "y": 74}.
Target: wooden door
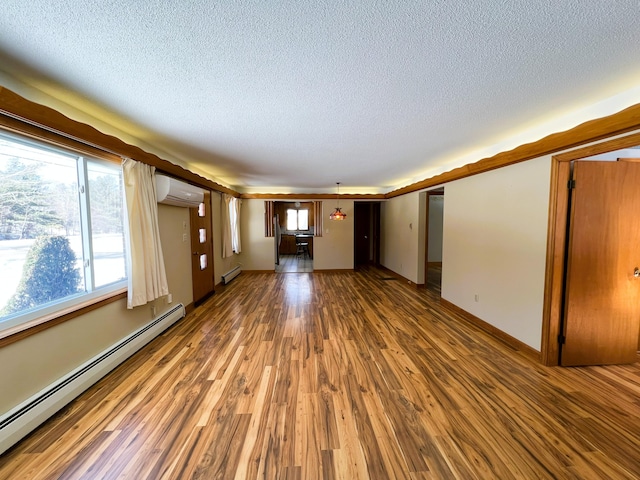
{"x": 362, "y": 229}
{"x": 366, "y": 236}
{"x": 202, "y": 250}
{"x": 602, "y": 296}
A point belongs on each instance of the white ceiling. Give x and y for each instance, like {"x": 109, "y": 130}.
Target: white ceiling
{"x": 295, "y": 96}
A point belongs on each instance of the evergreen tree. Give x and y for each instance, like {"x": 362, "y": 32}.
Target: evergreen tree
{"x": 49, "y": 273}
{"x": 106, "y": 204}
{"x": 25, "y": 210}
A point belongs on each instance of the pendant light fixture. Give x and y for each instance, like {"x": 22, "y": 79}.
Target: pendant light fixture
{"x": 337, "y": 213}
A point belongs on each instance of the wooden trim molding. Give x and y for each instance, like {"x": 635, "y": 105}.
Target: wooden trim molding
{"x": 554, "y": 271}
{"x": 618, "y": 123}
{"x": 333, "y": 270}
{"x": 505, "y": 338}
{"x": 313, "y": 196}
{"x": 13, "y": 125}
{"x": 22, "y": 333}
{"x": 30, "y": 118}
{"x": 627, "y": 141}
{"x": 397, "y": 276}
{"x": 269, "y": 212}
{"x": 318, "y": 219}
{"x": 624, "y": 121}
{"x": 48, "y": 124}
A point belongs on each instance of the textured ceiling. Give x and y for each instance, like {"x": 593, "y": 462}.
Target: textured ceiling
{"x": 285, "y": 95}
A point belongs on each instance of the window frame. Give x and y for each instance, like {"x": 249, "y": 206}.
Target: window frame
{"x": 72, "y": 305}
{"x": 297, "y": 210}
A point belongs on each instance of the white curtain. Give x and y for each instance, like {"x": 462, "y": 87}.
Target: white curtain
{"x": 146, "y": 274}
{"x": 225, "y": 217}
{"x": 236, "y": 203}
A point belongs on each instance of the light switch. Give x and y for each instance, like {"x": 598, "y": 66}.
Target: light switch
{"x": 184, "y": 237}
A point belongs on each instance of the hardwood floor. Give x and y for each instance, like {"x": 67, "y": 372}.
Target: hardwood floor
{"x": 338, "y": 375}
{"x": 294, "y": 264}
{"x": 434, "y": 278}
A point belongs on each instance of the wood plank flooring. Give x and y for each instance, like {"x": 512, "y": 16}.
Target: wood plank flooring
{"x": 348, "y": 375}
{"x": 294, "y": 264}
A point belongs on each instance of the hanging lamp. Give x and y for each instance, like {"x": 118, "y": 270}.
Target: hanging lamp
{"x": 337, "y": 213}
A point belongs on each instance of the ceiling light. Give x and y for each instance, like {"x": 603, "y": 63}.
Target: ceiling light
{"x": 337, "y": 213}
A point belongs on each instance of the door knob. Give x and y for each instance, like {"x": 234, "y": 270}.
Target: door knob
{"x": 636, "y": 272}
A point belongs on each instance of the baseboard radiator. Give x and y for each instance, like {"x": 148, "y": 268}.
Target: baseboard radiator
{"x": 18, "y": 422}
{"x": 231, "y": 274}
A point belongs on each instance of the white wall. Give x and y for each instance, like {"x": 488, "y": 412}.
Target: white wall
{"x": 42, "y": 358}
{"x": 436, "y": 217}
{"x": 402, "y": 238}
{"x": 258, "y": 251}
{"x": 176, "y": 251}
{"x": 495, "y": 234}
{"x": 334, "y": 250}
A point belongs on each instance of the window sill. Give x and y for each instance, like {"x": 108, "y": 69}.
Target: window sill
{"x": 19, "y": 332}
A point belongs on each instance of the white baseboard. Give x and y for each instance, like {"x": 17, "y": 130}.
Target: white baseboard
{"x": 24, "y": 418}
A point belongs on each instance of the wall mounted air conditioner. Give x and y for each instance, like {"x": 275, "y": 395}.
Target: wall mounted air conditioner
{"x": 175, "y": 192}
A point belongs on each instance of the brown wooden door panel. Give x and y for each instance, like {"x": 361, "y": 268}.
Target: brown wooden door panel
{"x": 201, "y": 250}
{"x": 602, "y": 303}
{"x": 362, "y": 227}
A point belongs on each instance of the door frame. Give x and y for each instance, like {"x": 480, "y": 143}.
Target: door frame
{"x": 557, "y": 238}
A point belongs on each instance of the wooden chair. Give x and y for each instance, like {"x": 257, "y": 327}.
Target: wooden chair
{"x": 302, "y": 248}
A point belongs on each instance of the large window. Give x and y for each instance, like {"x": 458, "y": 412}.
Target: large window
{"x": 297, "y": 219}
{"x": 61, "y": 229}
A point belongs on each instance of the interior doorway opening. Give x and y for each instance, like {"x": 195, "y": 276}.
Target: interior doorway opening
{"x": 366, "y": 235}
{"x": 294, "y": 230}
{"x": 433, "y": 239}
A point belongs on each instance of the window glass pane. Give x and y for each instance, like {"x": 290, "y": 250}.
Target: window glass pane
{"x": 202, "y": 233}
{"x": 292, "y": 219}
{"x": 203, "y": 261}
{"x": 107, "y": 232}
{"x": 41, "y": 254}
{"x": 303, "y": 219}
{"x": 201, "y": 210}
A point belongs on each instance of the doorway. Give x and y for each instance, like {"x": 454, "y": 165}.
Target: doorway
{"x": 366, "y": 235}
{"x": 294, "y": 230}
{"x": 433, "y": 239}
{"x": 580, "y": 273}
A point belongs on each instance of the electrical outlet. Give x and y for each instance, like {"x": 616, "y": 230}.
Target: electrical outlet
{"x": 169, "y": 298}
{"x": 476, "y": 297}
{"x": 184, "y": 237}
{"x": 153, "y": 310}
